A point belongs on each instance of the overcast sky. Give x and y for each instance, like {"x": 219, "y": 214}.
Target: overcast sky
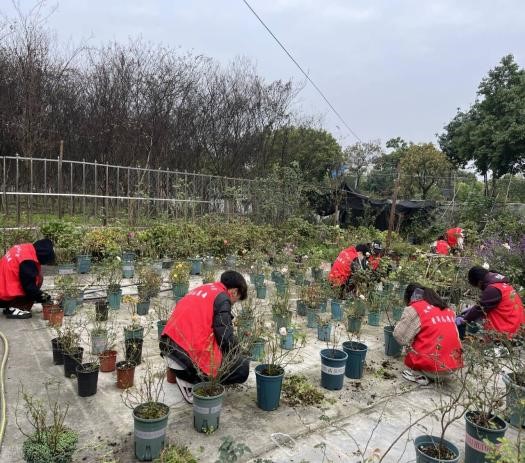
{"x": 390, "y": 67}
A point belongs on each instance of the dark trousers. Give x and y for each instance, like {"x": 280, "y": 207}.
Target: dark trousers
{"x": 22, "y": 303}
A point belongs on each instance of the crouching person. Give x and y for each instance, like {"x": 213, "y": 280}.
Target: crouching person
{"x": 428, "y": 329}
{"x": 198, "y": 340}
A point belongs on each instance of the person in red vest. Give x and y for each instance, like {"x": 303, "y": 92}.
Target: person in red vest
{"x": 199, "y": 335}
{"x": 21, "y": 277}
{"x": 455, "y": 238}
{"x": 440, "y": 246}
{"x": 428, "y": 328}
{"x": 499, "y": 305}
{"x": 349, "y": 261}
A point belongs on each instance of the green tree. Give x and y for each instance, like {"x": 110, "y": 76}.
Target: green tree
{"x": 359, "y": 156}
{"x": 492, "y": 132}
{"x": 422, "y": 167}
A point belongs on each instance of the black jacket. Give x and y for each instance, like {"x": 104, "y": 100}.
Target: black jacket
{"x": 489, "y": 299}
{"x": 28, "y": 271}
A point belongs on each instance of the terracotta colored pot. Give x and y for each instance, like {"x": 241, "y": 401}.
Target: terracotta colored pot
{"x": 125, "y": 375}
{"x": 46, "y": 310}
{"x": 56, "y": 316}
{"x": 108, "y": 359}
{"x": 170, "y": 376}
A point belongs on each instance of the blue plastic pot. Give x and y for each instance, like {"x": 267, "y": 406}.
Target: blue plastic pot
{"x": 83, "y": 263}
{"x": 143, "y": 307}
{"x": 427, "y": 440}
{"x": 179, "y": 289}
{"x": 136, "y": 333}
{"x": 374, "y": 318}
{"x": 354, "y": 325}
{"x": 287, "y": 341}
{"x": 114, "y": 299}
{"x": 324, "y": 332}
{"x": 311, "y": 317}
{"x": 128, "y": 269}
{"x": 70, "y": 305}
{"x": 392, "y": 347}
{"x": 258, "y": 279}
{"x": 356, "y": 358}
{"x": 260, "y": 292}
{"x": 206, "y": 410}
{"x": 150, "y": 434}
{"x": 476, "y": 437}
{"x": 333, "y": 365}
{"x": 257, "y": 350}
{"x": 337, "y": 312}
{"x": 268, "y": 387}
{"x": 322, "y": 307}
{"x": 301, "y": 308}
{"x": 196, "y": 266}
{"x": 280, "y": 288}
{"x": 128, "y": 256}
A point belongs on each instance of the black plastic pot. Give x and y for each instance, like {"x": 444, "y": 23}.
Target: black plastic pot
{"x": 58, "y": 355}
{"x": 476, "y": 437}
{"x": 72, "y": 359}
{"x": 101, "y": 311}
{"x": 87, "y": 375}
{"x": 134, "y": 350}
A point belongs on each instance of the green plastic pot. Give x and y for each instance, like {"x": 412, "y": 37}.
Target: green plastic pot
{"x": 257, "y": 350}
{"x": 180, "y": 289}
{"x": 69, "y": 305}
{"x": 475, "y": 446}
{"x": 196, "y": 266}
{"x": 143, "y": 307}
{"x": 299, "y": 279}
{"x": 337, "y": 312}
{"x": 324, "y": 332}
{"x": 268, "y": 387}
{"x": 311, "y": 317}
{"x": 280, "y": 288}
{"x": 317, "y": 274}
{"x": 206, "y": 410}
{"x": 355, "y": 362}
{"x": 260, "y": 292}
{"x": 114, "y": 299}
{"x": 392, "y": 347}
{"x": 258, "y": 279}
{"x": 83, "y": 263}
{"x": 374, "y": 318}
{"x": 128, "y": 256}
{"x": 150, "y": 434}
{"x": 160, "y": 327}
{"x": 515, "y": 401}
{"x": 287, "y": 340}
{"x": 281, "y": 322}
{"x": 354, "y": 324}
{"x": 426, "y": 440}
{"x": 322, "y": 307}
{"x": 333, "y": 365}
{"x": 128, "y": 269}
{"x": 301, "y": 308}
{"x": 135, "y": 333}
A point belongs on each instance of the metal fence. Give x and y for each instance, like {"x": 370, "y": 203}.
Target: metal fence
{"x": 32, "y": 187}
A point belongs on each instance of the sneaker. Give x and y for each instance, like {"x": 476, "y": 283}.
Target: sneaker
{"x": 13, "y": 312}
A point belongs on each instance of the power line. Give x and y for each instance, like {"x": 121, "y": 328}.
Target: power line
{"x": 303, "y": 72}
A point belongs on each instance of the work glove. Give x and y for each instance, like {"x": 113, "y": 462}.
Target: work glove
{"x": 45, "y": 298}
{"x": 459, "y": 321}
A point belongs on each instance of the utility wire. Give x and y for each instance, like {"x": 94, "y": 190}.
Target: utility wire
{"x": 302, "y": 70}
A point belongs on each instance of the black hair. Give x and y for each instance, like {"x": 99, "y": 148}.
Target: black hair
{"x": 362, "y": 248}
{"x": 44, "y": 251}
{"x": 476, "y": 274}
{"x": 429, "y": 295}
{"x": 234, "y": 280}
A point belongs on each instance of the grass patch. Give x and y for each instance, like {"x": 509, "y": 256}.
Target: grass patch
{"x": 297, "y": 390}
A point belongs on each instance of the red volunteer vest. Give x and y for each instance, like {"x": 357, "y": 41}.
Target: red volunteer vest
{"x": 452, "y": 236}
{"x": 190, "y": 326}
{"x": 509, "y": 315}
{"x": 437, "y": 346}
{"x": 442, "y": 247}
{"x": 10, "y": 286}
{"x": 373, "y": 261}
{"x": 341, "y": 270}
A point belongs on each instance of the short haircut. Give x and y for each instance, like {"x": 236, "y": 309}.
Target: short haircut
{"x": 476, "y": 274}
{"x": 232, "y": 279}
{"x": 362, "y": 248}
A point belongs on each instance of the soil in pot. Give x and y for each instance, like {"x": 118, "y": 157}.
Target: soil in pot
{"x": 107, "y": 360}
{"x": 125, "y": 374}
{"x": 430, "y": 449}
{"x": 87, "y": 379}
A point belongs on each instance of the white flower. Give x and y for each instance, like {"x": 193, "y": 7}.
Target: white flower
{"x": 282, "y": 331}
{"x": 284, "y": 270}
{"x": 506, "y": 246}
{"x": 118, "y": 258}
{"x": 268, "y": 325}
{"x": 486, "y": 265}
{"x": 362, "y": 297}
{"x": 400, "y": 267}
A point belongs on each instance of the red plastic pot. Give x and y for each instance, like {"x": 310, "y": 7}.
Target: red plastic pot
{"x": 170, "y": 376}
{"x": 108, "y": 359}
{"x": 56, "y": 317}
{"x": 125, "y": 374}
{"x": 46, "y": 310}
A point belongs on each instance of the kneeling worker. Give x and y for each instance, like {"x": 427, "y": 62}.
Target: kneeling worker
{"x": 428, "y": 328}
{"x": 199, "y": 335}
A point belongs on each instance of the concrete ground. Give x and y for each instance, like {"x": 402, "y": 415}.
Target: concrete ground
{"x": 364, "y": 418}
